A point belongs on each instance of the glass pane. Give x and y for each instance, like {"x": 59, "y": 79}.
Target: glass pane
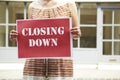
{"x": 88, "y": 39}
{"x": 107, "y": 32}
{"x": 107, "y": 17}
{"x": 16, "y": 11}
{"x": 117, "y": 32}
{"x": 88, "y": 16}
{"x": 117, "y": 48}
{"x": 11, "y": 43}
{"x": 88, "y": 13}
{"x": 2, "y": 36}
{"x": 2, "y": 12}
{"x": 107, "y": 48}
{"x": 117, "y": 18}
{"x": 75, "y": 43}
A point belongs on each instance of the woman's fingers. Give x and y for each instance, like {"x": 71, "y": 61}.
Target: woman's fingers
{"x": 76, "y": 33}
{"x": 13, "y": 35}
{"x": 75, "y": 30}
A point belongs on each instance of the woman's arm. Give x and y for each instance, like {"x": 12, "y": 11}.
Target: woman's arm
{"x": 76, "y": 32}
{"x": 30, "y": 11}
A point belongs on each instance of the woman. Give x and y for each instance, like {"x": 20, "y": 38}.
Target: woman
{"x": 53, "y": 69}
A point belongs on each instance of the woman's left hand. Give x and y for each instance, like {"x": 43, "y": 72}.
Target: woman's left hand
{"x": 76, "y": 32}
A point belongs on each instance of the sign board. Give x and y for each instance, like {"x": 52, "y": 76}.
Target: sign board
{"x": 44, "y": 38}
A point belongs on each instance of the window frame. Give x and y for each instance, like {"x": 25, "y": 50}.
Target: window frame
{"x": 112, "y": 8}
{"x": 7, "y": 24}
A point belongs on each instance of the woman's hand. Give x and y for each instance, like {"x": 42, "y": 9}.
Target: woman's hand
{"x": 76, "y": 32}
{"x": 13, "y": 35}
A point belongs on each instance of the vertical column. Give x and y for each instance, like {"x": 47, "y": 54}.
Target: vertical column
{"x": 25, "y": 10}
{"x": 99, "y": 29}
{"x": 78, "y": 9}
{"x": 7, "y": 24}
{"x": 113, "y": 32}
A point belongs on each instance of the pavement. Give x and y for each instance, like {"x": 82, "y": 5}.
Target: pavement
{"x": 101, "y": 71}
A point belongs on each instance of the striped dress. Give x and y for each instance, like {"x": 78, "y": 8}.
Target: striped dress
{"x": 49, "y": 69}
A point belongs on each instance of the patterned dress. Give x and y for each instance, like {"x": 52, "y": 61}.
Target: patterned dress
{"x": 49, "y": 69}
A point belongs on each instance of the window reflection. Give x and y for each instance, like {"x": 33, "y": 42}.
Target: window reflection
{"x": 88, "y": 16}
{"x": 117, "y": 32}
{"x": 117, "y": 48}
{"x": 107, "y": 32}
{"x": 107, "y": 17}
{"x": 107, "y": 48}
{"x": 2, "y": 36}
{"x": 2, "y": 12}
{"x": 117, "y": 18}
{"x": 88, "y": 39}
{"x": 16, "y": 11}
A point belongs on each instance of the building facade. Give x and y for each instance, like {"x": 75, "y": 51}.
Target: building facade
{"x": 99, "y": 23}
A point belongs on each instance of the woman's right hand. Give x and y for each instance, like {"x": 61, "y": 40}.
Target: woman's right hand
{"x": 13, "y": 35}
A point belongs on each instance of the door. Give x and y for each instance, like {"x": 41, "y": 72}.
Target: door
{"x": 110, "y": 28}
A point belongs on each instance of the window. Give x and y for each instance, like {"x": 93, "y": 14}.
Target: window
{"x": 10, "y": 12}
{"x": 111, "y": 31}
{"x": 87, "y": 14}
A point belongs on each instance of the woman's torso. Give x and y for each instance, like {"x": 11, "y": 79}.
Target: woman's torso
{"x": 36, "y": 67}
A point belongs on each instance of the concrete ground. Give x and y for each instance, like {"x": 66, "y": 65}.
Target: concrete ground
{"x": 13, "y": 71}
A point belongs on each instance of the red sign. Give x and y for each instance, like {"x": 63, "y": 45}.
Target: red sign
{"x": 44, "y": 38}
